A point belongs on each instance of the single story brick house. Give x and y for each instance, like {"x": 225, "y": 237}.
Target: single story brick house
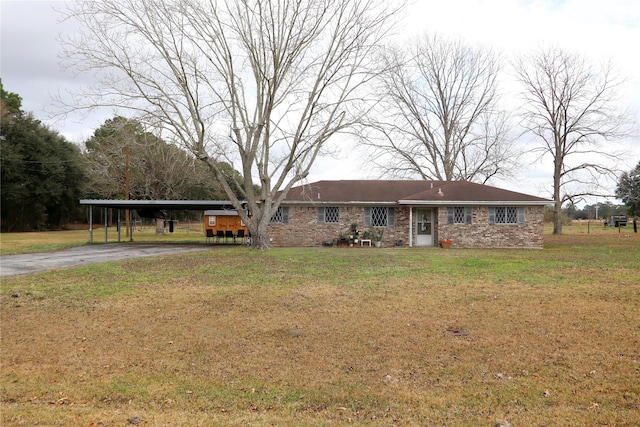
{"x": 410, "y": 213}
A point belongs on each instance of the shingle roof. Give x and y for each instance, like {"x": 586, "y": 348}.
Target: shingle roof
{"x": 405, "y": 192}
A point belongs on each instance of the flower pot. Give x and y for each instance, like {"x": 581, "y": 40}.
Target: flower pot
{"x": 378, "y": 244}
{"x": 445, "y": 243}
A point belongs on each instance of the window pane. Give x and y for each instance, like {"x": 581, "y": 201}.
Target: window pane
{"x": 277, "y": 216}
{"x": 378, "y": 217}
{"x": 458, "y": 215}
{"x": 507, "y": 215}
{"x": 331, "y": 214}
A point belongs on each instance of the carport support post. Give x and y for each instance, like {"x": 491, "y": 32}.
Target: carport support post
{"x": 90, "y": 223}
{"x": 119, "y": 225}
{"x": 130, "y": 215}
{"x": 106, "y": 222}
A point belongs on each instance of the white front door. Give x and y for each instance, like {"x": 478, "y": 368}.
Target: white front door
{"x": 424, "y": 229}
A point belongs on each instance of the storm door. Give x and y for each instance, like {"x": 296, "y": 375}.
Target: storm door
{"x": 424, "y": 228}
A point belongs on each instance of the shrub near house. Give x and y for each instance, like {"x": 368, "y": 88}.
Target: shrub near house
{"x": 410, "y": 213}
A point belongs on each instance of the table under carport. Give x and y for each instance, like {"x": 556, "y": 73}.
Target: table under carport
{"x": 149, "y": 206}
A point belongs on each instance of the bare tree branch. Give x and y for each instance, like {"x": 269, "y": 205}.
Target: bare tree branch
{"x": 260, "y": 83}
{"x": 438, "y": 115}
{"x": 571, "y": 106}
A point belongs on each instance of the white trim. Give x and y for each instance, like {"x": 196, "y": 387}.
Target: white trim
{"x": 320, "y": 204}
{"x": 474, "y": 203}
{"x": 221, "y": 212}
{"x": 425, "y": 203}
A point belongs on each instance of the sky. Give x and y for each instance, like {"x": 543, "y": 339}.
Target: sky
{"x": 600, "y": 30}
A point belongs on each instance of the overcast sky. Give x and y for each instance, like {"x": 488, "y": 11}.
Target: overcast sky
{"x": 598, "y": 29}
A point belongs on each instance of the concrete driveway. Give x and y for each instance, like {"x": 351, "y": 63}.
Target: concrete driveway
{"x": 12, "y": 265}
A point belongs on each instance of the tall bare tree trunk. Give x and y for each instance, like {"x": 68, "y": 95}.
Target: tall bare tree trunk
{"x": 263, "y": 84}
{"x": 159, "y": 226}
{"x": 557, "y": 196}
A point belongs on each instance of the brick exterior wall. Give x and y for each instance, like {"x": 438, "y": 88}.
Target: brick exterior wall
{"x": 304, "y": 230}
{"x": 481, "y": 234}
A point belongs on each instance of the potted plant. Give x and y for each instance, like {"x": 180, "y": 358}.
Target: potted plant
{"x": 377, "y": 236}
{"x": 445, "y": 243}
{"x": 343, "y": 239}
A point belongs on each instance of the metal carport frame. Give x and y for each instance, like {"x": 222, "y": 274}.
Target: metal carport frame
{"x": 129, "y": 205}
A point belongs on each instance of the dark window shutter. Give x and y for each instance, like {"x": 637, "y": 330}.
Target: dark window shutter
{"x": 521, "y": 216}
{"x": 367, "y": 217}
{"x": 285, "y": 214}
{"x": 468, "y": 215}
{"x": 320, "y": 215}
{"x": 391, "y": 217}
{"x": 492, "y": 215}
{"x": 450, "y": 215}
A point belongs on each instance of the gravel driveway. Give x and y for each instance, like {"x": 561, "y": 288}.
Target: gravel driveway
{"x": 12, "y": 265}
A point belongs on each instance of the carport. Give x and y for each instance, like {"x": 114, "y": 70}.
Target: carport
{"x": 148, "y": 205}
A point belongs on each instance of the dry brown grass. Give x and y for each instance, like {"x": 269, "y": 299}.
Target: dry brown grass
{"x": 331, "y": 337}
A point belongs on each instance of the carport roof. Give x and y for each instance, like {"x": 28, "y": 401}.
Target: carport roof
{"x": 160, "y": 204}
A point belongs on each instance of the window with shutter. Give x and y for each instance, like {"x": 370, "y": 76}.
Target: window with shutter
{"x": 281, "y": 215}
{"x": 459, "y": 215}
{"x": 379, "y": 216}
{"x": 506, "y": 215}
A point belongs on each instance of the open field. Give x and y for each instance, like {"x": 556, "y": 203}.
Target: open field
{"x": 331, "y": 336}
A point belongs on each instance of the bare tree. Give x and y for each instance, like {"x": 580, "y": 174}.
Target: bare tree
{"x": 261, "y": 83}
{"x": 438, "y": 116}
{"x": 570, "y": 107}
{"x": 121, "y": 149}
{"x": 125, "y": 160}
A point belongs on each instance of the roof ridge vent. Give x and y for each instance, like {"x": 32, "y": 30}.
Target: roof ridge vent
{"x": 439, "y": 190}
{"x": 432, "y": 185}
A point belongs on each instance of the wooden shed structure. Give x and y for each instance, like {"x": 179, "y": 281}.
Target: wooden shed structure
{"x": 225, "y": 226}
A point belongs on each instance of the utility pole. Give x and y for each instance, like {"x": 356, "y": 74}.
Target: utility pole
{"x": 126, "y": 184}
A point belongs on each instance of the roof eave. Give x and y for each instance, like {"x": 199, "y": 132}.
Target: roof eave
{"x": 335, "y": 203}
{"x": 157, "y": 204}
{"x": 475, "y": 202}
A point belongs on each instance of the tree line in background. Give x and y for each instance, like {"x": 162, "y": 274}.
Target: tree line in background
{"x": 44, "y": 175}
{"x": 596, "y": 211}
